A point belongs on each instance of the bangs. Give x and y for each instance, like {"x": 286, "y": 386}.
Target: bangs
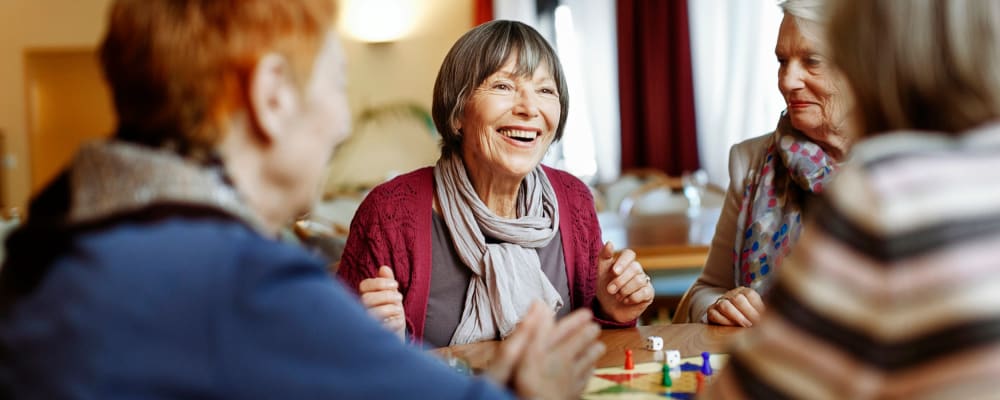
{"x": 530, "y": 53}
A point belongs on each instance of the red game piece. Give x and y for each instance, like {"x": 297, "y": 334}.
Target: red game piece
{"x": 629, "y": 364}
{"x": 701, "y": 382}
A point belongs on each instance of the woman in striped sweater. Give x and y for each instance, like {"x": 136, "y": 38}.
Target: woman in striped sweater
{"x": 894, "y": 288}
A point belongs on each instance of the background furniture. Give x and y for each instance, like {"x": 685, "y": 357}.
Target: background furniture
{"x": 669, "y": 222}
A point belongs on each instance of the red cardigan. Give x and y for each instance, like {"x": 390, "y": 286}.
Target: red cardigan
{"x": 393, "y": 227}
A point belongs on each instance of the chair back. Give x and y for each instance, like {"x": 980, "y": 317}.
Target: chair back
{"x": 325, "y": 229}
{"x": 658, "y": 193}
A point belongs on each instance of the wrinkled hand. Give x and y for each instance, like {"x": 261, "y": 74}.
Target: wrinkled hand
{"x": 380, "y": 295}
{"x": 544, "y": 359}
{"x": 623, "y": 288}
{"x": 738, "y": 307}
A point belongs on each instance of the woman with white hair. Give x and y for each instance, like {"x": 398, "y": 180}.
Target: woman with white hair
{"x": 772, "y": 176}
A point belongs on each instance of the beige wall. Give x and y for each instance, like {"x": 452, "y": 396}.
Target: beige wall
{"x": 34, "y": 24}
{"x": 404, "y": 70}
{"x": 400, "y": 71}
{"x": 67, "y": 105}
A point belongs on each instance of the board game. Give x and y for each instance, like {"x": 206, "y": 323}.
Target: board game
{"x": 645, "y": 380}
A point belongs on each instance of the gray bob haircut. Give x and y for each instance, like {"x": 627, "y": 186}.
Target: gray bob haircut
{"x": 479, "y": 53}
{"x": 919, "y": 64}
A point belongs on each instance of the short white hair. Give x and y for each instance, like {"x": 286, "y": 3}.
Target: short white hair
{"x": 810, "y": 16}
{"x": 806, "y": 10}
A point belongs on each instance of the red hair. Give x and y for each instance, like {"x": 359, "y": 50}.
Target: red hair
{"x": 178, "y": 69}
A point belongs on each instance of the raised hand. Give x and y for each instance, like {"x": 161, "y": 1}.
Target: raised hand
{"x": 623, "y": 288}
{"x": 738, "y": 307}
{"x": 382, "y": 298}
{"x": 543, "y": 359}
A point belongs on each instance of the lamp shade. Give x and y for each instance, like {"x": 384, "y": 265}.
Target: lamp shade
{"x": 378, "y": 21}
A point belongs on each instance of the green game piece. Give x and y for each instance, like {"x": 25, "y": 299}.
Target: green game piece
{"x": 666, "y": 376}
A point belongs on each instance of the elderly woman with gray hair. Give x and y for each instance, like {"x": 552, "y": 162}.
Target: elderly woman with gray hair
{"x": 772, "y": 176}
{"x": 455, "y": 253}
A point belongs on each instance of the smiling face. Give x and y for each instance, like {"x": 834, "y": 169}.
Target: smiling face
{"x": 509, "y": 123}
{"x": 816, "y": 95}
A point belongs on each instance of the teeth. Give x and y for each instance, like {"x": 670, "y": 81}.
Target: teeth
{"x": 519, "y": 134}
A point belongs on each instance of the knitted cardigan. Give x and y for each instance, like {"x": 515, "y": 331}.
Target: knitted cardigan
{"x": 393, "y": 226}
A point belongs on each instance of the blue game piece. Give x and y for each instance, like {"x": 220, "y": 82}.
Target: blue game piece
{"x": 706, "y": 366}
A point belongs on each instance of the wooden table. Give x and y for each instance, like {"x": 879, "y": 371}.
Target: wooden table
{"x": 690, "y": 339}
{"x": 664, "y": 241}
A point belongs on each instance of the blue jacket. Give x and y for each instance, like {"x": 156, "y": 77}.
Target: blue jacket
{"x": 165, "y": 304}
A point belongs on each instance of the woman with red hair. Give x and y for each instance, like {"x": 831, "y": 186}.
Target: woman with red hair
{"x": 149, "y": 268}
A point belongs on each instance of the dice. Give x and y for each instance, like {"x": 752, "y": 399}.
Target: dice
{"x": 673, "y": 358}
{"x": 654, "y": 343}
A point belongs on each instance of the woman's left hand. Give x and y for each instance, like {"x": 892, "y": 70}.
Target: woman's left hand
{"x": 623, "y": 288}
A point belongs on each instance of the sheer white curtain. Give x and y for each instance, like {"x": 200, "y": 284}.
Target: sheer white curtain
{"x": 517, "y": 10}
{"x": 586, "y": 40}
{"x": 583, "y": 33}
{"x": 735, "y": 76}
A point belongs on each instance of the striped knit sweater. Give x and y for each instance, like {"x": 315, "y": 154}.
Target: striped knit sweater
{"x": 894, "y": 288}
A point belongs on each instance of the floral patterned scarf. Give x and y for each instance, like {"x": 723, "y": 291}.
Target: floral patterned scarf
{"x": 770, "y": 218}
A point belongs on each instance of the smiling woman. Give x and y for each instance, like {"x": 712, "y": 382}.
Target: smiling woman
{"x": 772, "y": 176}
{"x": 814, "y": 91}
{"x": 455, "y": 253}
{"x": 508, "y": 125}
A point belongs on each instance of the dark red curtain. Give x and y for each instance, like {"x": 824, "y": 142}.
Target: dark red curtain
{"x": 482, "y": 11}
{"x": 655, "y": 86}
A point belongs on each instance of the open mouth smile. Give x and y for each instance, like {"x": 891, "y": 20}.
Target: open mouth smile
{"x": 519, "y": 135}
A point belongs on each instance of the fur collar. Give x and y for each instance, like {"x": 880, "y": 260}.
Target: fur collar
{"x": 114, "y": 177}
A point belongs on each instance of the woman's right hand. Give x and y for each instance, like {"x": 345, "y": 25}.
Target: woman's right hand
{"x": 544, "y": 359}
{"x": 738, "y": 307}
{"x": 380, "y": 295}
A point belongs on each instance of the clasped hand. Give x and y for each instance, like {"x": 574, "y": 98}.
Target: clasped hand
{"x": 548, "y": 359}
{"x": 741, "y": 306}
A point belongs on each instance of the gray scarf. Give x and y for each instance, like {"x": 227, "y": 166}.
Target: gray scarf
{"x": 507, "y": 276}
